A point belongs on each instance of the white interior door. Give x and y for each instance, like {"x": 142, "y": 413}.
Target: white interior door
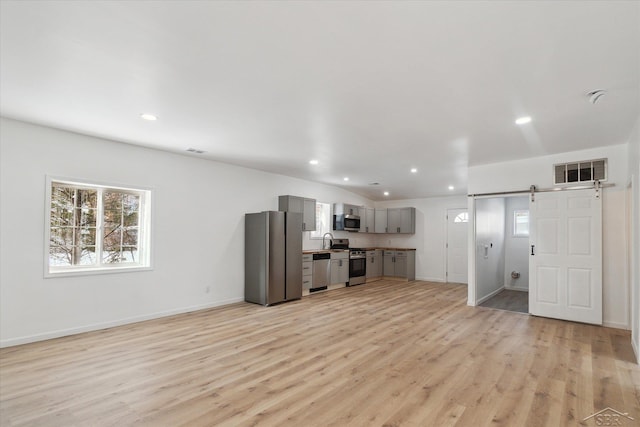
{"x": 457, "y": 228}
{"x": 565, "y": 262}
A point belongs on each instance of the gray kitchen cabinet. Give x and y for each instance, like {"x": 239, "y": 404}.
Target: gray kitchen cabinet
{"x": 339, "y": 268}
{"x": 401, "y": 220}
{"x": 389, "y": 263}
{"x": 367, "y": 220}
{"x": 351, "y": 209}
{"x": 307, "y": 272}
{"x": 303, "y": 205}
{"x": 401, "y": 264}
{"x": 380, "y": 221}
{"x": 374, "y": 264}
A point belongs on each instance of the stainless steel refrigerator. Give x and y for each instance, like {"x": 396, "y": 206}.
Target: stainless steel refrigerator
{"x": 273, "y": 257}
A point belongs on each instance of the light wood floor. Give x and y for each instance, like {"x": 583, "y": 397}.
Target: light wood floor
{"x": 380, "y": 354}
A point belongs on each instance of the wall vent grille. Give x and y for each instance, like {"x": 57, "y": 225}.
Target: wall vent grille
{"x": 583, "y": 171}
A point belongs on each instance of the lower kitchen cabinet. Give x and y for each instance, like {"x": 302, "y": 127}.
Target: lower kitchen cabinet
{"x": 400, "y": 264}
{"x": 307, "y": 273}
{"x": 339, "y": 268}
{"x": 374, "y": 264}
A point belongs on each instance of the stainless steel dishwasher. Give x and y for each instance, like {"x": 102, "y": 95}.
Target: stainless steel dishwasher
{"x": 321, "y": 272}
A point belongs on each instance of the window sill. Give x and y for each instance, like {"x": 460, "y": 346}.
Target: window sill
{"x": 91, "y": 271}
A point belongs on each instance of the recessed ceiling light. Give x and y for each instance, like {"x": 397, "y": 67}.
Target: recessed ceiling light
{"x": 523, "y": 120}
{"x": 386, "y": 193}
{"x": 147, "y": 116}
{"x": 451, "y": 187}
{"x": 313, "y": 162}
{"x": 346, "y": 178}
{"x": 414, "y": 170}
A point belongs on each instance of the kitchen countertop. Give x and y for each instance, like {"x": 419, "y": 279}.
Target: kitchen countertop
{"x": 323, "y": 251}
{"x": 320, "y": 251}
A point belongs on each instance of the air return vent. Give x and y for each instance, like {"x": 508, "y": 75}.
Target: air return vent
{"x": 584, "y": 171}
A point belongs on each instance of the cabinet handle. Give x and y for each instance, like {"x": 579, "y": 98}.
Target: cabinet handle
{"x": 340, "y": 265}
{"x": 398, "y": 229}
{"x": 532, "y": 246}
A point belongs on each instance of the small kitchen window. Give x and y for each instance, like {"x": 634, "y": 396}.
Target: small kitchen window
{"x": 323, "y": 221}
{"x": 93, "y": 228}
{"x": 521, "y": 223}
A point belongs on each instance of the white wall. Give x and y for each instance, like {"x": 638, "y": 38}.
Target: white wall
{"x": 198, "y": 231}
{"x": 489, "y": 247}
{"x": 516, "y": 249}
{"x": 431, "y": 234}
{"x": 520, "y": 174}
{"x": 634, "y": 235}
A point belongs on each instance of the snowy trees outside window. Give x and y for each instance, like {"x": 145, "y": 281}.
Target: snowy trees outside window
{"x": 96, "y": 227}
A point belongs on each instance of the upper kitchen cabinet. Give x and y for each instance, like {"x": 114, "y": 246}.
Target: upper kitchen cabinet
{"x": 351, "y": 209}
{"x": 303, "y": 205}
{"x": 367, "y": 220}
{"x": 380, "y": 221}
{"x": 401, "y": 220}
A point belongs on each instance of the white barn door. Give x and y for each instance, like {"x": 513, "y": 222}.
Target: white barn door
{"x": 565, "y": 262}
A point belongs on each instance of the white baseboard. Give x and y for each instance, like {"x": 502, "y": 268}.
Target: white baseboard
{"x": 105, "y": 325}
{"x": 509, "y": 288}
{"x": 431, "y": 279}
{"x": 636, "y": 350}
{"x": 492, "y": 294}
{"x": 616, "y": 325}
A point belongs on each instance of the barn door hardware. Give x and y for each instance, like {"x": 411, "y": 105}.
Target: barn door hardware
{"x": 532, "y": 189}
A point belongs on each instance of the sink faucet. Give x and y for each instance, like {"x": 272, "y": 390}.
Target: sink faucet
{"x": 323, "y": 237}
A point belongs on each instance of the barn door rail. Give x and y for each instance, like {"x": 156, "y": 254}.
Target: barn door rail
{"x": 597, "y": 186}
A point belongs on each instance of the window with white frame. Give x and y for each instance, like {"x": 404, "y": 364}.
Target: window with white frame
{"x": 323, "y": 221}
{"x": 521, "y": 223}
{"x": 93, "y": 228}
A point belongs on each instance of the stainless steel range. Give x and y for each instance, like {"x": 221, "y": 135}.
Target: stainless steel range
{"x": 357, "y": 266}
{"x": 357, "y": 261}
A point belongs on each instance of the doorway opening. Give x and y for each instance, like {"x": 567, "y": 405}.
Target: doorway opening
{"x": 501, "y": 256}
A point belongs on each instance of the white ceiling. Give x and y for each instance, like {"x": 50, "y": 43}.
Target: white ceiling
{"x": 370, "y": 89}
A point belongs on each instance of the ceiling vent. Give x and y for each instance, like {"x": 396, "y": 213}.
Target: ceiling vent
{"x": 583, "y": 171}
{"x": 193, "y": 150}
{"x": 374, "y": 183}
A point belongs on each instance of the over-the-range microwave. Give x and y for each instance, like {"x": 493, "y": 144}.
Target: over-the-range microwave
{"x": 346, "y": 222}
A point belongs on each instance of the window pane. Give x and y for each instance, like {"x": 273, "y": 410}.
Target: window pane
{"x": 61, "y": 236}
{"x": 59, "y": 256}
{"x": 130, "y": 203}
{"x": 521, "y": 223}
{"x": 129, "y": 254}
{"x": 88, "y": 236}
{"x": 585, "y": 171}
{"x": 112, "y": 201}
{"x": 112, "y": 237}
{"x": 323, "y": 221}
{"x": 130, "y": 236}
{"x": 572, "y": 172}
{"x": 461, "y": 217}
{"x": 87, "y": 199}
{"x": 88, "y": 255}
